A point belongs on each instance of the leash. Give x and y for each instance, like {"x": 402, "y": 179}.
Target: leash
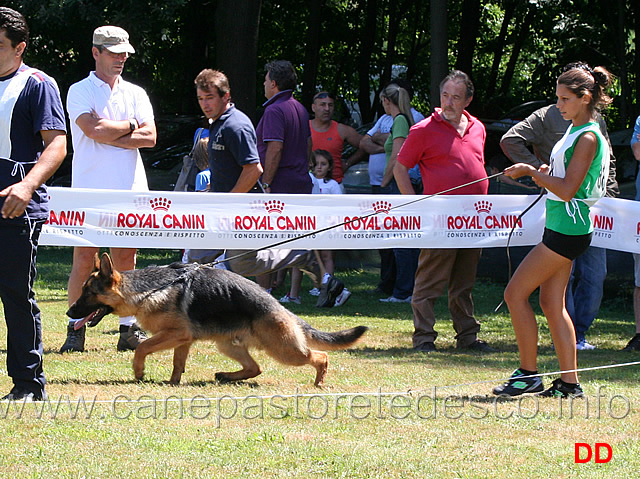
{"x": 348, "y": 222}
{"x": 196, "y": 266}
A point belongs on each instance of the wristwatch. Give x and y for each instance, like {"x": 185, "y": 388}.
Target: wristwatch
{"x": 133, "y": 124}
{"x": 266, "y": 185}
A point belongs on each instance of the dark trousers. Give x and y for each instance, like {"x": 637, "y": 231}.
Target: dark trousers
{"x": 18, "y": 249}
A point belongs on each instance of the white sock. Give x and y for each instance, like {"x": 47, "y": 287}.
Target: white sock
{"x": 325, "y": 278}
{"x": 127, "y": 320}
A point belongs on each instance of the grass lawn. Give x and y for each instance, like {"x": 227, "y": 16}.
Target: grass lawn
{"x": 385, "y": 410}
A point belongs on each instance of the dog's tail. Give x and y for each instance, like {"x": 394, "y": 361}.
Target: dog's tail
{"x": 324, "y": 341}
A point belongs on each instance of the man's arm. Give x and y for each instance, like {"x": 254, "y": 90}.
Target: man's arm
{"x": 272, "y": 161}
{"x": 635, "y": 140}
{"x": 401, "y": 174}
{"x": 18, "y": 195}
{"x": 117, "y": 132}
{"x": 514, "y": 142}
{"x": 373, "y": 144}
{"x": 351, "y": 136}
{"x": 248, "y": 177}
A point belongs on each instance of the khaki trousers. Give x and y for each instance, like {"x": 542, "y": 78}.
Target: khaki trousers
{"x": 439, "y": 269}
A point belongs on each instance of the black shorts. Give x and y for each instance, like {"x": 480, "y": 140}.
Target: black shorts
{"x": 568, "y": 246}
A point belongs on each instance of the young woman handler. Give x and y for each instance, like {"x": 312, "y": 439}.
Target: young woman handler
{"x": 575, "y": 180}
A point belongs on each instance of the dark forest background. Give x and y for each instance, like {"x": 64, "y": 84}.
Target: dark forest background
{"x": 513, "y": 49}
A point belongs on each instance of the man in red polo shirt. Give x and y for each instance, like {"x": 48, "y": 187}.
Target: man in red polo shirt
{"x": 448, "y": 146}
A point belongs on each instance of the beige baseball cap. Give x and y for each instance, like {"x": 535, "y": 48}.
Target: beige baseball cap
{"x": 114, "y": 39}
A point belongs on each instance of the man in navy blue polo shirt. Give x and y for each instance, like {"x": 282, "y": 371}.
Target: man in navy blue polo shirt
{"x": 233, "y": 154}
{"x": 33, "y": 143}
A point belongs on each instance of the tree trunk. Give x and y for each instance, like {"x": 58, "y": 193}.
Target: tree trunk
{"x": 312, "y": 52}
{"x": 521, "y": 37}
{"x": 237, "y": 48}
{"x": 635, "y": 7}
{"x": 621, "y": 54}
{"x": 368, "y": 34}
{"x": 439, "y": 64}
{"x": 509, "y": 9}
{"x": 469, "y": 26}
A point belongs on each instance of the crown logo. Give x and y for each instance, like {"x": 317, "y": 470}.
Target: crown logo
{"x": 274, "y": 206}
{"x": 381, "y": 206}
{"x": 483, "y": 206}
{"x": 142, "y": 202}
{"x": 160, "y": 204}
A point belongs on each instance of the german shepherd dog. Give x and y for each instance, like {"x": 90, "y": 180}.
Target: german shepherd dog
{"x": 182, "y": 303}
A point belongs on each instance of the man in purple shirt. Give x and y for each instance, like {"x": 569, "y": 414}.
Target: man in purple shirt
{"x": 284, "y": 137}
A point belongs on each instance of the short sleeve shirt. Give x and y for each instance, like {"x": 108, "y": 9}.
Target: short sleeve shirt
{"x": 232, "y": 145}
{"x": 446, "y": 159}
{"x": 98, "y": 165}
{"x": 29, "y": 103}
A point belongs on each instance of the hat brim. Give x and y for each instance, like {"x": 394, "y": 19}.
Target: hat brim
{"x": 120, "y": 48}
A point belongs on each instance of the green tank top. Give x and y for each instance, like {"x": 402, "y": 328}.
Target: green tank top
{"x": 572, "y": 217}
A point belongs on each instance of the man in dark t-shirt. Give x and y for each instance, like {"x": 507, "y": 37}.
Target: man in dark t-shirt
{"x": 33, "y": 143}
{"x": 233, "y": 154}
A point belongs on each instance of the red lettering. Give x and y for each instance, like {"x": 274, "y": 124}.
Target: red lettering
{"x": 578, "y": 446}
{"x": 598, "y": 447}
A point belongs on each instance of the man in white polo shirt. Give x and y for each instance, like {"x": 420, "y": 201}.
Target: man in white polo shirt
{"x": 110, "y": 119}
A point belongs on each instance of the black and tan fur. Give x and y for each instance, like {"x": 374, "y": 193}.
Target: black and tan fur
{"x": 180, "y": 304}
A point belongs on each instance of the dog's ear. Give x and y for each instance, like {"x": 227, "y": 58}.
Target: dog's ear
{"x": 105, "y": 266}
{"x": 96, "y": 262}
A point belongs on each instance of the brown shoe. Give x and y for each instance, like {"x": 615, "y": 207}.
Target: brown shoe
{"x": 130, "y": 337}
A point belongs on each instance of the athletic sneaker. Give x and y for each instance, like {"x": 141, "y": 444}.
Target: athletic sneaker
{"x": 75, "y": 340}
{"x": 393, "y": 299}
{"x": 560, "y": 389}
{"x": 130, "y": 337}
{"x": 314, "y": 292}
{"x": 634, "y": 344}
{"x": 329, "y": 291}
{"x": 583, "y": 345}
{"x": 20, "y": 394}
{"x": 519, "y": 384}
{"x": 288, "y": 299}
{"x": 342, "y": 297}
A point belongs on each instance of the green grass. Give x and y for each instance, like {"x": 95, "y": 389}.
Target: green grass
{"x": 377, "y": 416}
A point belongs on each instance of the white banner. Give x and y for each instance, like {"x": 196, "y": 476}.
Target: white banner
{"x": 162, "y": 219}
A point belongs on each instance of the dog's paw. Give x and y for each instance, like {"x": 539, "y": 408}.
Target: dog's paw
{"x": 223, "y": 378}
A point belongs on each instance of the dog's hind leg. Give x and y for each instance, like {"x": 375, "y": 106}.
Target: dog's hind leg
{"x": 180, "y": 355}
{"x": 284, "y": 342}
{"x": 165, "y": 339}
{"x": 250, "y": 369}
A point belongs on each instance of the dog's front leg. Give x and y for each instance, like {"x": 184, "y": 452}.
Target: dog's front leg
{"x": 180, "y": 355}
{"x": 162, "y": 340}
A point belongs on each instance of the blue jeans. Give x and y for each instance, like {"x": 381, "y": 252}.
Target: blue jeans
{"x": 584, "y": 291}
{"x": 406, "y": 265}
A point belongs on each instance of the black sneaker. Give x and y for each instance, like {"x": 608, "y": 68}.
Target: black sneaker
{"x": 19, "y": 394}
{"x": 560, "y": 389}
{"x": 75, "y": 340}
{"x": 130, "y": 337}
{"x": 329, "y": 291}
{"x": 634, "y": 344}
{"x": 518, "y": 384}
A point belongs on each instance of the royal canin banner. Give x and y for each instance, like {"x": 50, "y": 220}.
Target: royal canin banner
{"x": 159, "y": 219}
